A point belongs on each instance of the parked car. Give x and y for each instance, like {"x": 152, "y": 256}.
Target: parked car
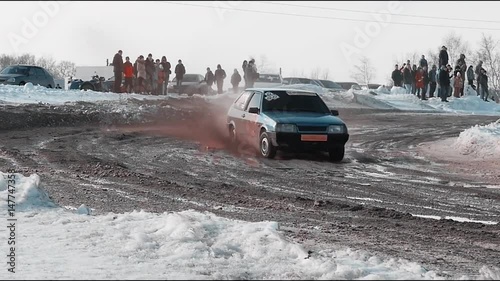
{"x": 97, "y": 83}
{"x": 331, "y": 86}
{"x": 349, "y": 85}
{"x": 22, "y": 74}
{"x": 297, "y": 80}
{"x": 191, "y": 84}
{"x": 268, "y": 81}
{"x": 286, "y": 119}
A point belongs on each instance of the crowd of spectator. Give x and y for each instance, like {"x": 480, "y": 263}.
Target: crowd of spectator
{"x": 447, "y": 80}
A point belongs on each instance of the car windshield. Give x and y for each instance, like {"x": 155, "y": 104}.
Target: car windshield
{"x": 330, "y": 84}
{"x": 290, "y": 101}
{"x": 23, "y": 70}
{"x": 269, "y": 78}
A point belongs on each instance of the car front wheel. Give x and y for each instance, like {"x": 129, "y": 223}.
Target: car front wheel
{"x": 267, "y": 149}
{"x": 336, "y": 153}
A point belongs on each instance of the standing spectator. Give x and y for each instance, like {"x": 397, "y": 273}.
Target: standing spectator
{"x": 141, "y": 74}
{"x": 180, "y": 70}
{"x": 407, "y": 78}
{"x": 479, "y": 66}
{"x": 166, "y": 69}
{"x": 150, "y": 73}
{"x": 245, "y": 66}
{"x": 484, "y": 85}
{"x": 470, "y": 76}
{"x": 426, "y": 83}
{"x": 419, "y": 82}
{"x": 451, "y": 75}
{"x": 160, "y": 79}
{"x": 423, "y": 62}
{"x": 413, "y": 79}
{"x": 252, "y": 73}
{"x": 397, "y": 77}
{"x": 220, "y": 75}
{"x": 118, "y": 69}
{"x": 209, "y": 78}
{"x": 128, "y": 73}
{"x": 458, "y": 83}
{"x": 155, "y": 89}
{"x": 235, "y": 80}
{"x": 443, "y": 56}
{"x": 432, "y": 81}
{"x": 444, "y": 83}
{"x": 462, "y": 66}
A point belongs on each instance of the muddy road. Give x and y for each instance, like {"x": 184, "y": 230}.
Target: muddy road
{"x": 384, "y": 196}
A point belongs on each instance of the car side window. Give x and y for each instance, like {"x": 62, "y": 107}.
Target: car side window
{"x": 255, "y": 101}
{"x": 39, "y": 72}
{"x": 241, "y": 102}
{"x": 32, "y": 72}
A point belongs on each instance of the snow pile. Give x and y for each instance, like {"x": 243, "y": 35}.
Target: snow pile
{"x": 27, "y": 192}
{"x": 398, "y": 91}
{"x": 480, "y": 141}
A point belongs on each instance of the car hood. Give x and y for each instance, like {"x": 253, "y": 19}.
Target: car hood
{"x": 304, "y": 118}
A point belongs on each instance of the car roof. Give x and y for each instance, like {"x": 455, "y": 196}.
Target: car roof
{"x": 26, "y": 65}
{"x": 279, "y": 89}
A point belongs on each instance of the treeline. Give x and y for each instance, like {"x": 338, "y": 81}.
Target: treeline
{"x": 58, "y": 69}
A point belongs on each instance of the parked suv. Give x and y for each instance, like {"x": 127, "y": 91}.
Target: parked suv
{"x": 22, "y": 74}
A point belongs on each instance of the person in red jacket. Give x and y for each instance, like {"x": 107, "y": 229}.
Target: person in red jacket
{"x": 419, "y": 83}
{"x": 128, "y": 73}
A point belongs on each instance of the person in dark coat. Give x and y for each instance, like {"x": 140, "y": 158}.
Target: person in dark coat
{"x": 414, "y": 72}
{"x": 478, "y": 72}
{"x": 443, "y": 57}
{"x": 244, "y": 66}
{"x": 220, "y": 75}
{"x": 150, "y": 73}
{"x": 444, "y": 83}
{"x": 432, "y": 81}
{"x": 407, "y": 78}
{"x": 483, "y": 81}
{"x": 423, "y": 62}
{"x": 397, "y": 77}
{"x": 166, "y": 68}
{"x": 180, "y": 70}
{"x": 235, "y": 80}
{"x": 209, "y": 77}
{"x": 118, "y": 70}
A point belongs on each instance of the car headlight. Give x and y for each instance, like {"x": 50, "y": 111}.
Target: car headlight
{"x": 11, "y": 80}
{"x": 337, "y": 129}
{"x": 286, "y": 128}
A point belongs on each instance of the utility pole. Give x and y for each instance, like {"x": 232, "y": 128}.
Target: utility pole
{"x": 107, "y": 62}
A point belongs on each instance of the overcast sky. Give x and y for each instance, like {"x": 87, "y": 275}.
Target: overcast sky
{"x": 297, "y": 39}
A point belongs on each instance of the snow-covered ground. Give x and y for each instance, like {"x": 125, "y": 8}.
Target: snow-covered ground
{"x": 55, "y": 242}
{"x": 59, "y": 242}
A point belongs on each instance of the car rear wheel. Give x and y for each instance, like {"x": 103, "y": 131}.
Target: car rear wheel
{"x": 266, "y": 148}
{"x": 49, "y": 86}
{"x": 336, "y": 153}
{"x": 233, "y": 140}
{"x": 22, "y": 83}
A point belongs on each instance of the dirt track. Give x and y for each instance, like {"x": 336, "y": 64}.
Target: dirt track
{"x": 179, "y": 160}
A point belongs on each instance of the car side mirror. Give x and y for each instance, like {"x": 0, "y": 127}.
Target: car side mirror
{"x": 334, "y": 112}
{"x": 254, "y": 110}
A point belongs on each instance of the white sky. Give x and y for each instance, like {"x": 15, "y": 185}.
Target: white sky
{"x": 62, "y": 242}
{"x": 88, "y": 33}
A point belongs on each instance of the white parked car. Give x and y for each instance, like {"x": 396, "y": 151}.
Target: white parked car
{"x": 268, "y": 81}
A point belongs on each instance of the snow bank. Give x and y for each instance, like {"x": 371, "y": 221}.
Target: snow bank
{"x": 480, "y": 141}
{"x": 27, "y": 192}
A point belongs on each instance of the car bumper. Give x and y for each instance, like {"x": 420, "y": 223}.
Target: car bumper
{"x": 292, "y": 141}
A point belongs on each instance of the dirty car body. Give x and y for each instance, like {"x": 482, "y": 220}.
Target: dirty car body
{"x": 288, "y": 120}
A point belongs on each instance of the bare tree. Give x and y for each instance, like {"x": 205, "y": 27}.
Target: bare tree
{"x": 364, "y": 71}
{"x": 264, "y": 65}
{"x": 433, "y": 57}
{"x": 65, "y": 69}
{"x": 456, "y": 46}
{"x": 489, "y": 54}
{"x": 315, "y": 73}
{"x": 326, "y": 74}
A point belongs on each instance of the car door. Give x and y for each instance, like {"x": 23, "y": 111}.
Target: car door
{"x": 40, "y": 77}
{"x": 237, "y": 113}
{"x": 252, "y": 121}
